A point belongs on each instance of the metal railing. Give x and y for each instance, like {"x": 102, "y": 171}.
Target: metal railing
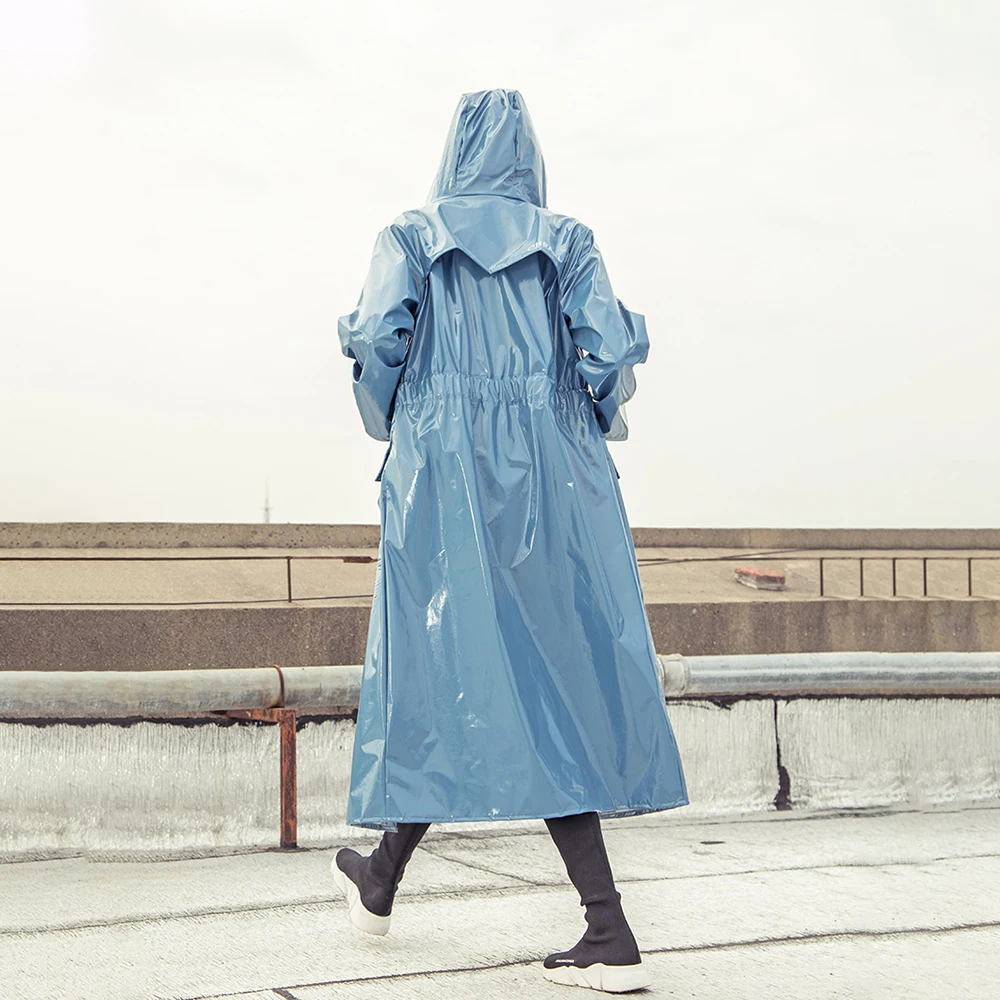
{"x": 289, "y": 597}
{"x": 257, "y": 694}
{"x": 924, "y": 560}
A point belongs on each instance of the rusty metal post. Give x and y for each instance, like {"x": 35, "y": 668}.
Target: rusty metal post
{"x": 289, "y": 810}
{"x": 285, "y": 718}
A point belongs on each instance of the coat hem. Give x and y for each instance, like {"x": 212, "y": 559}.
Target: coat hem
{"x": 619, "y": 812}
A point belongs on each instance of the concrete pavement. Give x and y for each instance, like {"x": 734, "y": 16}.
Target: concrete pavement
{"x": 891, "y": 904}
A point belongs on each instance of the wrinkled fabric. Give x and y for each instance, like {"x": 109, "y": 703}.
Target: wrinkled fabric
{"x": 510, "y": 671}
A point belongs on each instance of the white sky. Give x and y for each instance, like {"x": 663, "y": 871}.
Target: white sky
{"x": 802, "y": 197}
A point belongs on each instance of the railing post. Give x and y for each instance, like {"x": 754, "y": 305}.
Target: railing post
{"x": 289, "y": 811}
{"x": 285, "y": 717}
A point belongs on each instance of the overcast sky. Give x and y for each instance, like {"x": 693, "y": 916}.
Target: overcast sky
{"x": 802, "y": 197}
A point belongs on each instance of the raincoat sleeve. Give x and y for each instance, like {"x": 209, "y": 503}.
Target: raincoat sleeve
{"x": 610, "y": 338}
{"x": 377, "y": 334}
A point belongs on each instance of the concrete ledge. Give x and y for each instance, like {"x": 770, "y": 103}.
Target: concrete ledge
{"x": 171, "y": 535}
{"x": 174, "y": 638}
{"x": 826, "y": 625}
{"x": 174, "y": 535}
{"x": 213, "y": 788}
{"x": 180, "y": 638}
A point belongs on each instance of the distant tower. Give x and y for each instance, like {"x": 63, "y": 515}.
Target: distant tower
{"x": 267, "y": 502}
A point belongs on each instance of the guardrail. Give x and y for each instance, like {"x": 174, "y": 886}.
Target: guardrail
{"x": 968, "y": 560}
{"x": 193, "y": 558}
{"x": 258, "y": 694}
{"x": 288, "y": 596}
{"x": 279, "y": 695}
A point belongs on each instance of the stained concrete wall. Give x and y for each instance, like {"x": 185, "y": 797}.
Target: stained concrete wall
{"x": 854, "y": 753}
{"x": 175, "y": 638}
{"x": 123, "y": 791}
{"x": 902, "y": 626}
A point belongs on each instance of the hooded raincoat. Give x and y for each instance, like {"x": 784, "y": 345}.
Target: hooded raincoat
{"x": 510, "y": 671}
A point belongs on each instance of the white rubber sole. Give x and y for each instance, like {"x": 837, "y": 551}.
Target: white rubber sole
{"x": 361, "y": 917}
{"x": 607, "y": 978}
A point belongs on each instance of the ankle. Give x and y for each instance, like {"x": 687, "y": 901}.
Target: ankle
{"x": 606, "y": 925}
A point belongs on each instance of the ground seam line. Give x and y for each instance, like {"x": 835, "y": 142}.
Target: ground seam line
{"x": 718, "y": 946}
{"x": 482, "y": 868}
{"x": 475, "y": 891}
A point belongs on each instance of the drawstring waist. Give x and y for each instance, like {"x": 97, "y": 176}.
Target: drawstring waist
{"x": 537, "y": 388}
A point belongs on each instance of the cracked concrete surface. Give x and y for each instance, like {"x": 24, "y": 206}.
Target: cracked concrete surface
{"x": 891, "y": 904}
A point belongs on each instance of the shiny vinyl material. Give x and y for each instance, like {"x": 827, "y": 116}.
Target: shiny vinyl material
{"x": 510, "y": 671}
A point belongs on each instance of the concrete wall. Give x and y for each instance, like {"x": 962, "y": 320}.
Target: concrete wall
{"x": 901, "y": 626}
{"x": 122, "y": 791}
{"x": 174, "y": 638}
{"x": 169, "y": 535}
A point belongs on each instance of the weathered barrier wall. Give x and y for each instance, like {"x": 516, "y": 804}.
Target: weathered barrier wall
{"x": 122, "y": 791}
{"x": 182, "y": 638}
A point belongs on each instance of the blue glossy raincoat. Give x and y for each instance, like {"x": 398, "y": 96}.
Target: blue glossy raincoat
{"x": 510, "y": 671}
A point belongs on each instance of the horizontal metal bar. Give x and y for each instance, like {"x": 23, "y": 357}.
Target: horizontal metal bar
{"x": 832, "y": 674}
{"x": 186, "y": 558}
{"x": 329, "y": 689}
{"x": 111, "y": 694}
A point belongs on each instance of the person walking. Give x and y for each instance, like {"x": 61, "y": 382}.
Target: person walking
{"x": 510, "y": 671}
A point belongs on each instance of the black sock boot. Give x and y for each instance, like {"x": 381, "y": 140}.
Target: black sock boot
{"x": 370, "y": 883}
{"x": 607, "y": 956}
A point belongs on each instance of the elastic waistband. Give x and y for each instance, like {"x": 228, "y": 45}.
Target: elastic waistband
{"x": 538, "y": 388}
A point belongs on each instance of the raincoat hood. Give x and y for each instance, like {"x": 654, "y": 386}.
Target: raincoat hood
{"x": 491, "y": 150}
